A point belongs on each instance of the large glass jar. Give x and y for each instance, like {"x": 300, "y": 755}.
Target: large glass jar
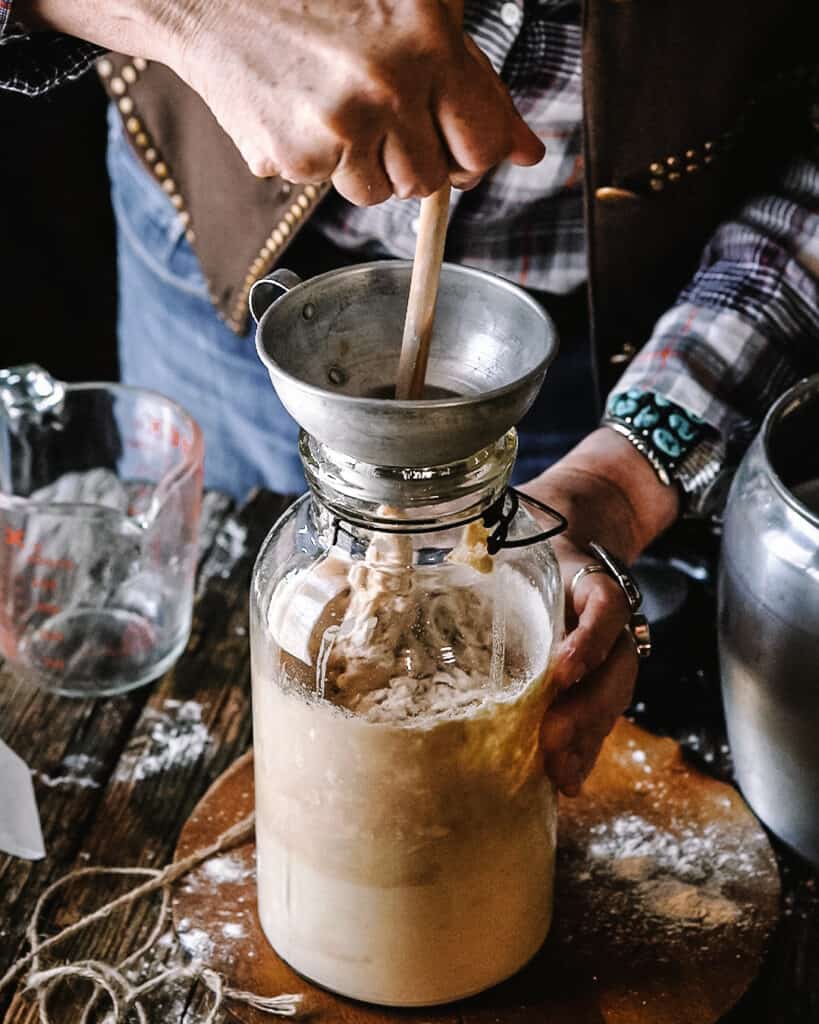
{"x": 405, "y": 829}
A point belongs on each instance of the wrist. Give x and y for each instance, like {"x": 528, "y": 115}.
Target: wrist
{"x": 144, "y": 28}
{"x": 609, "y": 493}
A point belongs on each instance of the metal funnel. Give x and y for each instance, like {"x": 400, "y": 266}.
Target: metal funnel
{"x": 331, "y": 346}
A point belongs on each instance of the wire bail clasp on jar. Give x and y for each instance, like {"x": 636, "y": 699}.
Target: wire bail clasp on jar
{"x": 500, "y": 515}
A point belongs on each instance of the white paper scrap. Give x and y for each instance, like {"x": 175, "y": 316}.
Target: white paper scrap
{"x": 20, "y": 832}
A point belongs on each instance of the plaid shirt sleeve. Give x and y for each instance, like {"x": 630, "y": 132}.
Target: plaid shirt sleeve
{"x": 34, "y": 62}
{"x": 747, "y": 325}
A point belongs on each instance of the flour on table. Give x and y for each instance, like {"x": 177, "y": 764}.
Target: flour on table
{"x": 177, "y": 736}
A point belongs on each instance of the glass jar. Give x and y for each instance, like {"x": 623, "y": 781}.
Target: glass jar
{"x": 402, "y": 630}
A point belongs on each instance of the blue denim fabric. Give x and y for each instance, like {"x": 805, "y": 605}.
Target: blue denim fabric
{"x": 170, "y": 339}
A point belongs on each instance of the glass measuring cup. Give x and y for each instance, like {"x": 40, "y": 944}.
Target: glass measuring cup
{"x": 100, "y": 494}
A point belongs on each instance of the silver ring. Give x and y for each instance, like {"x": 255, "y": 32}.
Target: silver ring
{"x": 637, "y": 625}
{"x": 586, "y": 570}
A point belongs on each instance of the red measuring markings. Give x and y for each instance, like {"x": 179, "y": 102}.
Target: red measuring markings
{"x": 47, "y": 583}
{"x": 58, "y": 564}
{"x": 55, "y": 664}
{"x": 15, "y": 538}
{"x": 52, "y": 636}
{"x": 47, "y": 608}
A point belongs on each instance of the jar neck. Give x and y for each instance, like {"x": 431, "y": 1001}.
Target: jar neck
{"x": 392, "y": 498}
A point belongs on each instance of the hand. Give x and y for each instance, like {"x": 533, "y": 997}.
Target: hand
{"x": 381, "y": 97}
{"x": 595, "y": 671}
{"x": 609, "y": 493}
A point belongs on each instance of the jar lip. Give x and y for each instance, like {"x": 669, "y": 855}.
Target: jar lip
{"x": 803, "y": 391}
{"x": 350, "y": 488}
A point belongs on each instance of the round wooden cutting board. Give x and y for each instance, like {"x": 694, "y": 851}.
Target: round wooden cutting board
{"x": 667, "y": 889}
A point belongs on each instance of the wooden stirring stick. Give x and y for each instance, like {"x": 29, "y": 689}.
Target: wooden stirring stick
{"x": 426, "y": 272}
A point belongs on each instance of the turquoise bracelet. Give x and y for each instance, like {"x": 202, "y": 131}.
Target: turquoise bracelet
{"x": 660, "y": 429}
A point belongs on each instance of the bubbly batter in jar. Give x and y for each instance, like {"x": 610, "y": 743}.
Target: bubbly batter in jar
{"x": 405, "y": 828}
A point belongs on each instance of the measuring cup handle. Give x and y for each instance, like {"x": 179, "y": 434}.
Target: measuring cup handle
{"x": 267, "y": 289}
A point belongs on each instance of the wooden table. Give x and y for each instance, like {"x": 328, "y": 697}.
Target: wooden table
{"x": 117, "y": 778}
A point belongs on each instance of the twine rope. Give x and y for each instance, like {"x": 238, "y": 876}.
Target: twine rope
{"x": 123, "y": 995}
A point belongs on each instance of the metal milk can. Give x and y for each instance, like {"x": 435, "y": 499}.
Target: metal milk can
{"x": 769, "y": 620}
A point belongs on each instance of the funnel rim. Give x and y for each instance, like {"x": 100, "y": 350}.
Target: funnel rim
{"x": 425, "y": 404}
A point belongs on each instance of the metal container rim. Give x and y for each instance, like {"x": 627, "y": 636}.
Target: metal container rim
{"x": 425, "y": 404}
{"x": 796, "y": 395}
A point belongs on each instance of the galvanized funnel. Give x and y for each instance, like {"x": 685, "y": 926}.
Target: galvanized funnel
{"x": 331, "y": 346}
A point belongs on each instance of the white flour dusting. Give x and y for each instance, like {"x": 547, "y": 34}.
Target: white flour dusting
{"x": 177, "y": 737}
{"x": 73, "y": 771}
{"x": 226, "y": 868}
{"x": 196, "y": 943}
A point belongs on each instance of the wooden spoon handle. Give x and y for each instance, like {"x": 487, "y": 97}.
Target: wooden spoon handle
{"x": 426, "y": 273}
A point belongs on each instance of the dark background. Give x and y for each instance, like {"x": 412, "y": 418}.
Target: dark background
{"x": 58, "y": 272}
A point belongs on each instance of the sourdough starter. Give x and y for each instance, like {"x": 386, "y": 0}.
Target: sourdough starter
{"x": 405, "y": 829}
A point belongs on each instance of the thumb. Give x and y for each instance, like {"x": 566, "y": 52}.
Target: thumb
{"x": 527, "y": 149}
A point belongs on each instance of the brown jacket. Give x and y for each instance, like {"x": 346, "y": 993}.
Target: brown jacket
{"x": 688, "y": 106}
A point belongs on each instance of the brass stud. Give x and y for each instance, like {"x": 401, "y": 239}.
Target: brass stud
{"x": 657, "y": 169}
{"x": 627, "y": 351}
{"x": 133, "y": 125}
{"x": 184, "y": 218}
{"x": 151, "y": 155}
{"x": 303, "y": 202}
{"x": 284, "y": 227}
{"x": 295, "y": 209}
{"x": 265, "y": 253}
{"x": 278, "y": 237}
{"x": 140, "y": 63}
{"x": 249, "y": 281}
{"x": 141, "y": 139}
{"x": 118, "y": 87}
{"x": 105, "y": 68}
{"x": 691, "y": 168}
{"x": 126, "y": 105}
{"x": 608, "y": 194}
{"x": 674, "y": 176}
{"x": 672, "y": 161}
{"x": 707, "y": 159}
{"x": 190, "y": 236}
{"x": 288, "y": 217}
{"x": 169, "y": 186}
{"x": 129, "y": 74}
{"x": 160, "y": 170}
{"x": 691, "y": 154}
{"x": 657, "y": 185}
{"x": 310, "y": 191}
{"x": 177, "y": 201}
{"x": 285, "y": 188}
{"x": 708, "y": 147}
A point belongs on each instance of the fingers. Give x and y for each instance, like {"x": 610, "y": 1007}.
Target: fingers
{"x": 414, "y": 157}
{"x": 311, "y": 159}
{"x": 600, "y": 611}
{"x": 478, "y": 119}
{"x": 578, "y": 722}
{"x": 361, "y": 176}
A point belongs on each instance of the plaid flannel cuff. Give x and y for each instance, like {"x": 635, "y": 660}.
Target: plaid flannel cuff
{"x": 32, "y": 63}
{"x": 5, "y": 15}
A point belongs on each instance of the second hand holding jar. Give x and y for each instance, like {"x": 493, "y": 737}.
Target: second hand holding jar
{"x": 403, "y": 622}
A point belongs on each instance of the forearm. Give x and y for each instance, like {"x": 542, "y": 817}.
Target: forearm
{"x": 746, "y": 326}
{"x": 609, "y": 493}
